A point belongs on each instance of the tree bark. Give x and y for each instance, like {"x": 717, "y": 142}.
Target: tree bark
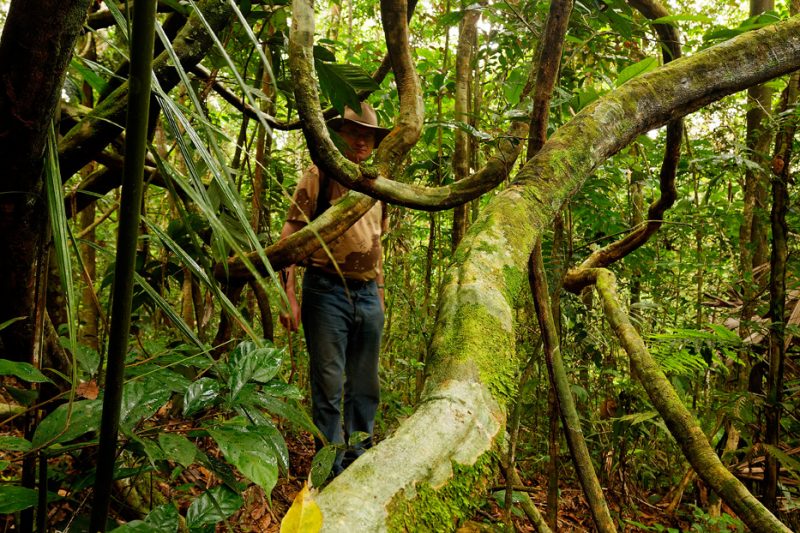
{"x": 777, "y": 288}
{"x": 467, "y": 35}
{"x": 33, "y": 63}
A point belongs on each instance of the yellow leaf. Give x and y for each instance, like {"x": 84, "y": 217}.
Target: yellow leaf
{"x": 304, "y": 515}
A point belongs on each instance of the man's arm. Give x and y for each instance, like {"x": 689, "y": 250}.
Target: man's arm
{"x": 291, "y": 319}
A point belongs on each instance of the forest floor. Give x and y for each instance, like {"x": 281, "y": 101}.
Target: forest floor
{"x": 259, "y": 514}
{"x": 573, "y": 513}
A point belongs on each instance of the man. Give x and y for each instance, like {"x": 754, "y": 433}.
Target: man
{"x": 342, "y": 304}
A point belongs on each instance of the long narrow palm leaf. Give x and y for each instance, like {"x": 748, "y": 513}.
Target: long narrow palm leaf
{"x": 61, "y": 238}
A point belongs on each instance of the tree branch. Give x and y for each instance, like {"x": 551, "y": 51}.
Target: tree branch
{"x": 98, "y": 128}
{"x": 615, "y": 251}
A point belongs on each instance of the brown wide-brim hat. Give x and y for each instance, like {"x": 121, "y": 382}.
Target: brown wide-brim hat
{"x": 366, "y": 119}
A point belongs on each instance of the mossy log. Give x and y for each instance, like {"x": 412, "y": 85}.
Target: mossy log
{"x": 427, "y": 465}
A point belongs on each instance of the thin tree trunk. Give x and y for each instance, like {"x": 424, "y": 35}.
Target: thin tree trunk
{"x": 566, "y": 403}
{"x": 752, "y": 230}
{"x": 89, "y": 312}
{"x": 548, "y": 63}
{"x": 468, "y": 31}
{"x": 777, "y": 289}
{"x": 141, "y": 49}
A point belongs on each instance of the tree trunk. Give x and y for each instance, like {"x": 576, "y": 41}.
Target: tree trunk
{"x": 31, "y": 87}
{"x": 468, "y": 32}
{"x": 777, "y": 288}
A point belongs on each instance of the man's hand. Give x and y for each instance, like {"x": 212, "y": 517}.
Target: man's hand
{"x": 291, "y": 320}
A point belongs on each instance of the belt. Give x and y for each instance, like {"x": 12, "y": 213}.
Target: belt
{"x": 350, "y": 283}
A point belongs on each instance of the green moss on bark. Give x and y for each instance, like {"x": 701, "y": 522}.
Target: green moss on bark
{"x": 478, "y": 345}
{"x": 443, "y": 508}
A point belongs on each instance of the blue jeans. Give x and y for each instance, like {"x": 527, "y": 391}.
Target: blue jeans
{"x": 343, "y": 328}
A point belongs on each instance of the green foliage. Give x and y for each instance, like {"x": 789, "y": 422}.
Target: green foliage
{"x": 341, "y": 82}
{"x": 161, "y": 519}
{"x": 14, "y": 498}
{"x": 24, "y": 371}
{"x": 200, "y": 208}
{"x": 214, "y": 505}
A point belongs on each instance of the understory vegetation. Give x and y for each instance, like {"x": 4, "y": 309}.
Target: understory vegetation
{"x": 214, "y": 430}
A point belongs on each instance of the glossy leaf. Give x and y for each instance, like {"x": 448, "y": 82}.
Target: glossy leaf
{"x": 178, "y": 448}
{"x": 247, "y": 449}
{"x": 24, "y": 371}
{"x": 140, "y": 399}
{"x": 248, "y": 363}
{"x": 271, "y": 436}
{"x": 341, "y": 82}
{"x": 322, "y": 464}
{"x": 85, "y": 418}
{"x": 214, "y": 505}
{"x": 645, "y": 65}
{"x": 14, "y": 444}
{"x": 200, "y": 394}
{"x": 14, "y": 498}
{"x": 287, "y": 411}
{"x": 151, "y": 449}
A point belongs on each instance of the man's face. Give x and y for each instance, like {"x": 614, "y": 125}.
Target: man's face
{"x": 361, "y": 141}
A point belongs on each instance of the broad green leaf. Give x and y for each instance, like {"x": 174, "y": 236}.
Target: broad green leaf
{"x": 450, "y": 19}
{"x": 247, "y": 450}
{"x": 271, "y": 435}
{"x": 281, "y": 389}
{"x": 304, "y": 515}
{"x": 200, "y": 394}
{"x": 322, "y": 464}
{"x": 24, "y": 371}
{"x": 14, "y": 444}
{"x": 140, "y": 399}
{"x": 163, "y": 519}
{"x": 151, "y": 449}
{"x": 87, "y": 357}
{"x": 214, "y": 505}
{"x": 323, "y": 54}
{"x": 341, "y": 83}
{"x": 622, "y": 24}
{"x": 515, "y": 82}
{"x": 4, "y": 465}
{"x": 168, "y": 379}
{"x": 85, "y": 418}
{"x": 178, "y": 448}
{"x": 645, "y": 65}
{"x": 14, "y": 498}
{"x": 248, "y": 363}
{"x": 286, "y": 411}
